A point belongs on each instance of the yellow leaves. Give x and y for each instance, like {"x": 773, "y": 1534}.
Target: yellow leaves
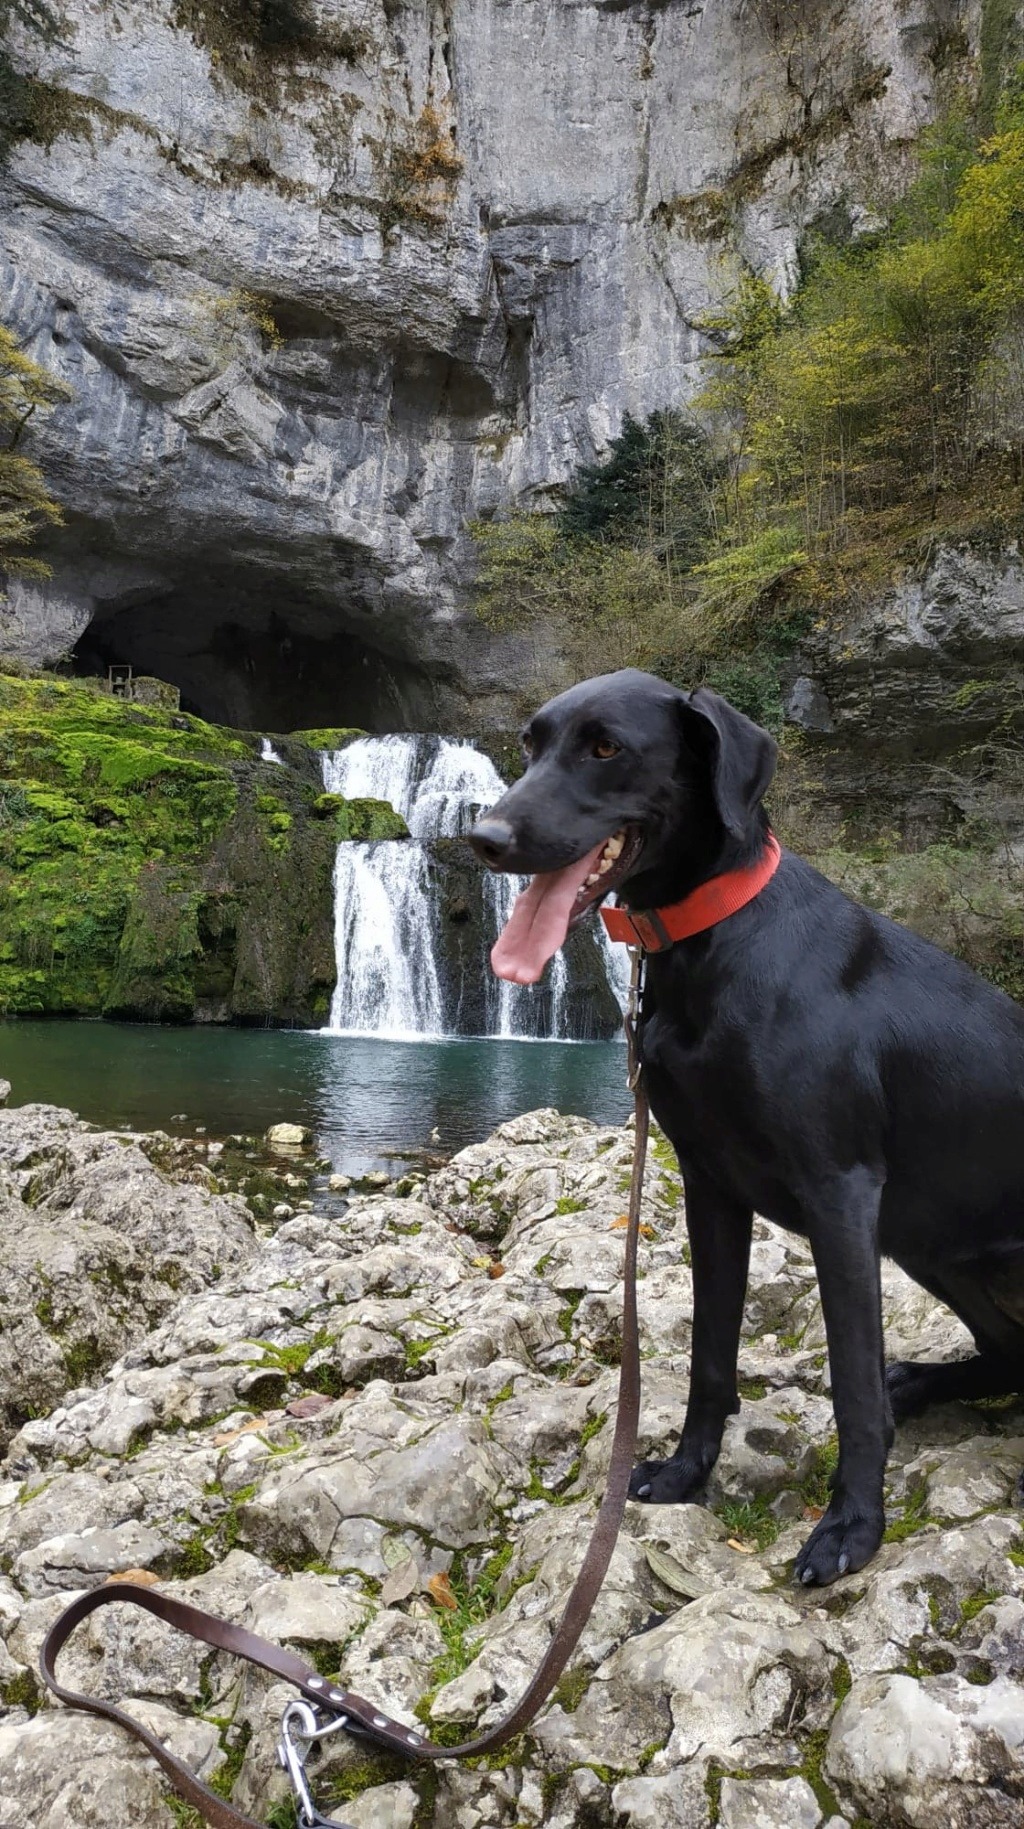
{"x": 24, "y": 501}
{"x": 621, "y": 1224}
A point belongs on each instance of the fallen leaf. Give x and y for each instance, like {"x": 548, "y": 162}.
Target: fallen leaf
{"x": 480, "y": 1263}
{"x": 403, "y": 1580}
{"x": 673, "y": 1574}
{"x": 440, "y": 1589}
{"x": 620, "y": 1224}
{"x": 745, "y": 1549}
{"x": 232, "y": 1435}
{"x": 496, "y": 1270}
{"x": 814, "y": 1512}
{"x": 140, "y": 1578}
{"x": 309, "y": 1404}
{"x": 395, "y": 1551}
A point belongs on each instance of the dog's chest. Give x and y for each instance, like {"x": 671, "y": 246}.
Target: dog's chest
{"x": 709, "y": 1100}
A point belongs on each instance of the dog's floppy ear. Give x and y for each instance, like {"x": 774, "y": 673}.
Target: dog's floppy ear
{"x": 741, "y": 756}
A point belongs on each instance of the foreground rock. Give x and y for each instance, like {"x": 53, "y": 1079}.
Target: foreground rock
{"x": 96, "y": 1244}
{"x": 381, "y": 1438}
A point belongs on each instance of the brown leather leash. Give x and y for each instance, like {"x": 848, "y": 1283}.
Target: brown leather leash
{"x": 327, "y": 1708}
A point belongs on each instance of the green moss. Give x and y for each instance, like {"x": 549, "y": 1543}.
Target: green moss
{"x": 327, "y": 738}
{"x": 257, "y": 44}
{"x": 568, "y": 1204}
{"x": 223, "y": 1780}
{"x": 567, "y": 1315}
{"x": 751, "y": 1519}
{"x": 370, "y": 819}
{"x": 752, "y": 1389}
{"x": 477, "y": 1600}
{"x": 193, "y": 1557}
{"x": 292, "y": 1359}
{"x": 418, "y": 1350}
{"x": 812, "y": 1768}
{"x": 142, "y": 871}
{"x": 842, "y": 1681}
{"x": 83, "y": 1361}
{"x": 975, "y": 1604}
{"x": 325, "y": 806}
{"x": 21, "y": 1691}
{"x": 817, "y": 1485}
{"x": 914, "y": 1518}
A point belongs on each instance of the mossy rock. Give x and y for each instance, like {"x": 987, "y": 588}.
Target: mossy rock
{"x": 327, "y": 738}
{"x": 148, "y": 871}
{"x": 368, "y": 819}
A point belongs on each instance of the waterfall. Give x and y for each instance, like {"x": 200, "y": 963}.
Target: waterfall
{"x": 267, "y": 751}
{"x": 394, "y": 979}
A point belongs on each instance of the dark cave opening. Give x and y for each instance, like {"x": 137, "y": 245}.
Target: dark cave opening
{"x": 254, "y": 667}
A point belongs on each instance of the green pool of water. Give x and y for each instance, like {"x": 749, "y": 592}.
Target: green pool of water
{"x": 365, "y": 1099}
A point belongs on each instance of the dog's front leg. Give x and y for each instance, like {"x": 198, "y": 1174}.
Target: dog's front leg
{"x": 844, "y": 1240}
{"x": 719, "y": 1228}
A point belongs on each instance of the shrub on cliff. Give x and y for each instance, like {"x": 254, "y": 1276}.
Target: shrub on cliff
{"x": 25, "y": 505}
{"x": 880, "y": 407}
{"x": 888, "y": 395}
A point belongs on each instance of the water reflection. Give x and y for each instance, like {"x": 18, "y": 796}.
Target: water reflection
{"x": 364, "y": 1097}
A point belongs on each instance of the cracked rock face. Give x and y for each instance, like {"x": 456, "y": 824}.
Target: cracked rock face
{"x": 319, "y": 310}
{"x": 330, "y": 1432}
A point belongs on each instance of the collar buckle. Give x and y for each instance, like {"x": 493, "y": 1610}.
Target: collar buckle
{"x": 649, "y": 930}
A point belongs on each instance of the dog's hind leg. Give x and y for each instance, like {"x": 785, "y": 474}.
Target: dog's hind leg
{"x": 988, "y": 1297}
{"x": 720, "y": 1229}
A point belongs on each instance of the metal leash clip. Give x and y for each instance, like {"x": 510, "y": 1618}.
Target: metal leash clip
{"x": 631, "y": 1017}
{"x": 301, "y": 1729}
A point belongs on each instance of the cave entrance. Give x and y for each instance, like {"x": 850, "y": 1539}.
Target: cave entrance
{"x": 254, "y": 670}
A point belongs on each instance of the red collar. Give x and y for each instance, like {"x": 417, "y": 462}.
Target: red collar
{"x": 657, "y": 928}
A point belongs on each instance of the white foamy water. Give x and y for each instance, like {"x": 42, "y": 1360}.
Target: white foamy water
{"x": 386, "y": 914}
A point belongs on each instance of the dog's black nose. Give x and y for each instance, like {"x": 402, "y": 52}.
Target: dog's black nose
{"x": 491, "y": 839}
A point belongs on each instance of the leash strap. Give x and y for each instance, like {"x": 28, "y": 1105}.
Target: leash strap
{"x": 342, "y": 1707}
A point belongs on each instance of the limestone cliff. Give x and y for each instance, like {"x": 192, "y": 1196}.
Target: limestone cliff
{"x": 331, "y": 277}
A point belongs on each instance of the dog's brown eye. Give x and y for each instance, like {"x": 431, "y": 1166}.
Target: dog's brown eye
{"x": 604, "y": 749}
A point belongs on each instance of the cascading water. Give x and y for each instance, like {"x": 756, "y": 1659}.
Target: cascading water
{"x": 392, "y": 975}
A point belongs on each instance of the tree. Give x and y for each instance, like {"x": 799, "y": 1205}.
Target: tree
{"x": 25, "y": 505}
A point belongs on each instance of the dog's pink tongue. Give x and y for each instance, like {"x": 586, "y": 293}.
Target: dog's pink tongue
{"x": 539, "y": 921}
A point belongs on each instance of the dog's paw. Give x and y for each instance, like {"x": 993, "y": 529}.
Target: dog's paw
{"x": 910, "y": 1386}
{"x": 842, "y": 1543}
{"x": 666, "y": 1482}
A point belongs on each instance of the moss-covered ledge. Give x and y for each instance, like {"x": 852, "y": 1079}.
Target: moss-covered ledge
{"x": 156, "y": 867}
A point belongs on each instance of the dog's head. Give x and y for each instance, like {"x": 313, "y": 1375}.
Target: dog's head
{"x": 630, "y": 785}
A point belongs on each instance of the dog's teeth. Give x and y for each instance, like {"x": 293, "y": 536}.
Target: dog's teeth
{"x": 592, "y": 878}
{"x": 605, "y": 864}
{"x": 614, "y": 845}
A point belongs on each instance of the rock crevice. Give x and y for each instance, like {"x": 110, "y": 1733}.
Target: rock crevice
{"x": 357, "y": 1437}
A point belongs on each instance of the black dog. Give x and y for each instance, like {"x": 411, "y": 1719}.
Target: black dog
{"x": 808, "y": 1059}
